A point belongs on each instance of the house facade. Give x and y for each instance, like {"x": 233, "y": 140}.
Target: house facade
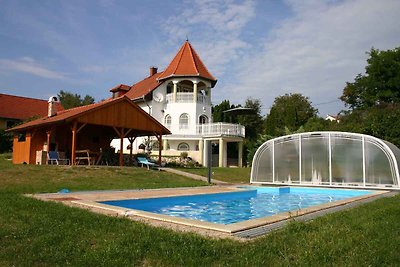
{"x": 180, "y": 98}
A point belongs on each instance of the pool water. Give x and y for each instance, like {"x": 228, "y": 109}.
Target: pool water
{"x": 232, "y": 207}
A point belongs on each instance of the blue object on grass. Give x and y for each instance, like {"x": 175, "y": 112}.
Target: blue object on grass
{"x": 64, "y": 191}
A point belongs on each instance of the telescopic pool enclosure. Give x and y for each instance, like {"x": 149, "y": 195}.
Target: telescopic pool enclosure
{"x": 337, "y": 159}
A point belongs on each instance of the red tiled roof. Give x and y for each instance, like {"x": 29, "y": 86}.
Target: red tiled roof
{"x": 22, "y": 108}
{"x": 187, "y": 63}
{"x": 120, "y": 87}
{"x": 72, "y": 113}
{"x": 144, "y": 87}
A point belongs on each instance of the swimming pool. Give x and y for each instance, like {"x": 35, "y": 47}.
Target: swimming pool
{"x": 233, "y": 207}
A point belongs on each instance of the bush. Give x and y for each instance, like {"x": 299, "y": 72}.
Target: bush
{"x": 184, "y": 155}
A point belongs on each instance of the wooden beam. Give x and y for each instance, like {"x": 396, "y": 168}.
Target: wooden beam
{"x": 128, "y": 132}
{"x": 80, "y": 128}
{"x": 159, "y": 149}
{"x": 116, "y": 130}
{"x": 121, "y": 150}
{"x": 73, "y": 148}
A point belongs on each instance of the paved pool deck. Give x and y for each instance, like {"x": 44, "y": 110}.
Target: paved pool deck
{"x": 245, "y": 229}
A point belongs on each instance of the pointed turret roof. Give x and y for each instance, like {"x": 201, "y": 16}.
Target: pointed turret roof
{"x": 187, "y": 63}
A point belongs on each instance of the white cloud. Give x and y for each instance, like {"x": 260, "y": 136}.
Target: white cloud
{"x": 317, "y": 50}
{"x": 29, "y": 65}
{"x": 215, "y": 26}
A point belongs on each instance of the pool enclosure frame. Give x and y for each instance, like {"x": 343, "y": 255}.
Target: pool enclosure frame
{"x": 333, "y": 159}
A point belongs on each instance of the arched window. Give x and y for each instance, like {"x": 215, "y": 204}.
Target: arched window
{"x": 203, "y": 119}
{"x": 183, "y": 147}
{"x": 184, "y": 121}
{"x": 168, "y": 121}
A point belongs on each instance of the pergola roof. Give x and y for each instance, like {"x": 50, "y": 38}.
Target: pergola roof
{"x": 120, "y": 112}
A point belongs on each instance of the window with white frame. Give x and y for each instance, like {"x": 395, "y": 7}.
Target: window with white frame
{"x": 183, "y": 147}
{"x": 168, "y": 121}
{"x": 203, "y": 119}
{"x": 184, "y": 121}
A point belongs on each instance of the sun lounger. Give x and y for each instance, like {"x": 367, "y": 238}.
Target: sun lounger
{"x": 145, "y": 161}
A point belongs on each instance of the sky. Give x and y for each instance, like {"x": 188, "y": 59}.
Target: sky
{"x": 259, "y": 49}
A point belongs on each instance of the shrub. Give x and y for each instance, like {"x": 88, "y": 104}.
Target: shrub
{"x": 184, "y": 155}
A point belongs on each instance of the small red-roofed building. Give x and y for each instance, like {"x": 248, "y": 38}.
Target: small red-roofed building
{"x": 14, "y": 109}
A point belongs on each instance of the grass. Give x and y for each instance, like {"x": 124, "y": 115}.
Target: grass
{"x": 230, "y": 175}
{"x": 42, "y": 178}
{"x": 37, "y": 233}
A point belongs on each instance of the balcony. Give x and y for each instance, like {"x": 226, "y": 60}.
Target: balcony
{"x": 213, "y": 129}
{"x": 221, "y": 128}
{"x": 187, "y": 98}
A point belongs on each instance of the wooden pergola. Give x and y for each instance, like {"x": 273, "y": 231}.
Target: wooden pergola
{"x": 88, "y": 127}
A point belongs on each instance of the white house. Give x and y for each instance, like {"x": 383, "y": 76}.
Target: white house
{"x": 180, "y": 98}
{"x": 332, "y": 118}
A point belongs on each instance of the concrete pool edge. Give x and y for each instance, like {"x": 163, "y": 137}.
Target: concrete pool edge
{"x": 81, "y": 200}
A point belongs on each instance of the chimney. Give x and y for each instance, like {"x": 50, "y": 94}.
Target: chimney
{"x": 153, "y": 70}
{"x": 52, "y": 109}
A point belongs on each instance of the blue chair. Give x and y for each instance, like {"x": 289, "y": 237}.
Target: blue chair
{"x": 145, "y": 161}
{"x": 54, "y": 157}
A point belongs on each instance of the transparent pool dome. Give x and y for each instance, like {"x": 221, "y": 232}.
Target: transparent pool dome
{"x": 337, "y": 159}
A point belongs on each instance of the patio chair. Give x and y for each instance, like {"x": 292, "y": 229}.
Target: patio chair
{"x": 54, "y": 157}
{"x": 145, "y": 161}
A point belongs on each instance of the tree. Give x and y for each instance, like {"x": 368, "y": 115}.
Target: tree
{"x": 319, "y": 124}
{"x": 381, "y": 122}
{"x": 374, "y": 98}
{"x": 253, "y": 122}
{"x": 290, "y": 111}
{"x": 69, "y": 100}
{"x": 381, "y": 83}
{"x": 218, "y": 112}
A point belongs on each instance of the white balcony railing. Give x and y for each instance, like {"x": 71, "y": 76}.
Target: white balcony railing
{"x": 221, "y": 128}
{"x": 186, "y": 98}
{"x": 213, "y": 129}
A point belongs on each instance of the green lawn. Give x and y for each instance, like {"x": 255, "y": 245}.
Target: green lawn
{"x": 36, "y": 233}
{"x": 230, "y": 175}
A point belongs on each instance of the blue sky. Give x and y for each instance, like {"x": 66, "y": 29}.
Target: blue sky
{"x": 260, "y": 49}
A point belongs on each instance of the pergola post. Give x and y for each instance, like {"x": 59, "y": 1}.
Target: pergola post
{"x": 48, "y": 145}
{"x": 75, "y": 130}
{"x": 159, "y": 149}
{"x": 121, "y": 150}
{"x": 73, "y": 148}
{"x": 131, "y": 140}
{"x": 48, "y": 139}
{"x": 122, "y": 134}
